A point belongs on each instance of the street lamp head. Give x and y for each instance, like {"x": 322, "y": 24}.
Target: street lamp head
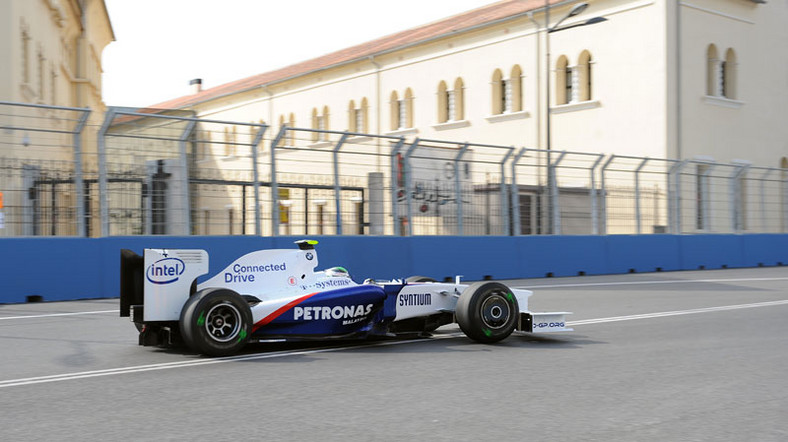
{"x": 595, "y": 20}
{"x": 577, "y": 9}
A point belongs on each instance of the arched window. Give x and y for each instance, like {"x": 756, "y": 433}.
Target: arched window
{"x": 290, "y": 133}
{"x": 584, "y": 76}
{"x": 563, "y": 81}
{"x": 357, "y": 116}
{"x": 443, "y": 102}
{"x": 712, "y": 71}
{"x": 394, "y": 112}
{"x": 728, "y": 69}
{"x": 459, "y": 101}
{"x": 516, "y": 81}
{"x": 351, "y": 112}
{"x": 315, "y": 124}
{"x": 361, "y": 116}
{"x": 408, "y": 108}
{"x": 324, "y": 125}
{"x": 285, "y": 141}
{"x": 498, "y": 95}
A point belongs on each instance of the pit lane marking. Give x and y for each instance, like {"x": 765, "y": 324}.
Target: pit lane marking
{"x": 673, "y": 281}
{"x": 52, "y": 315}
{"x": 677, "y": 313}
{"x": 259, "y": 356}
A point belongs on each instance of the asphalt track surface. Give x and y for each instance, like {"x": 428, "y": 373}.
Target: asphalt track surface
{"x": 680, "y": 356}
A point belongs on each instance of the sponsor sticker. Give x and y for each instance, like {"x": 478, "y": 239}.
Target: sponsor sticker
{"x": 165, "y": 271}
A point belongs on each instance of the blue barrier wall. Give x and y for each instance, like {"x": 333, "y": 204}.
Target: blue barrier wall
{"x": 59, "y": 269}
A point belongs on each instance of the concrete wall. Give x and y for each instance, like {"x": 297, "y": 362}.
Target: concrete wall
{"x": 79, "y": 268}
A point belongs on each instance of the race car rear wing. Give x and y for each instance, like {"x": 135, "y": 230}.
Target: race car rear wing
{"x": 131, "y": 281}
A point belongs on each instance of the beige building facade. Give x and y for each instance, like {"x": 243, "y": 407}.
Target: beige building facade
{"x": 54, "y": 51}
{"x": 656, "y": 78}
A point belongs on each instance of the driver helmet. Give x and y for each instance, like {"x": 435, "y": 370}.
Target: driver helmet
{"x": 337, "y": 272}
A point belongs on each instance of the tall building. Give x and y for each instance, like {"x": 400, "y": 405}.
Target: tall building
{"x": 53, "y": 51}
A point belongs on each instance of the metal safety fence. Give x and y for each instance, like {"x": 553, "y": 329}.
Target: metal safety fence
{"x": 67, "y": 172}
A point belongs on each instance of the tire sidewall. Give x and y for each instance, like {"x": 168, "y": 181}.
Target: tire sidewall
{"x": 194, "y": 332}
{"x": 469, "y": 312}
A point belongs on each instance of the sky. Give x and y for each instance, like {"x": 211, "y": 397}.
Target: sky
{"x": 160, "y": 45}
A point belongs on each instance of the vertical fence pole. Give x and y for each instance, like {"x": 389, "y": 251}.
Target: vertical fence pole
{"x": 603, "y": 191}
{"x": 258, "y": 228}
{"x": 187, "y": 133}
{"x": 735, "y": 189}
{"x": 764, "y": 227}
{"x": 515, "y": 191}
{"x": 274, "y": 184}
{"x": 505, "y": 219}
{"x": 706, "y": 198}
{"x": 638, "y": 221}
{"x": 458, "y": 188}
{"x": 407, "y": 171}
{"x": 395, "y": 185}
{"x": 79, "y": 182}
{"x": 102, "y": 163}
{"x": 337, "y": 187}
{"x": 556, "y": 209}
{"x": 674, "y": 175}
{"x": 593, "y": 195}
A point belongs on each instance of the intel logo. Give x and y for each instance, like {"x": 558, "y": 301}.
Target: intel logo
{"x": 165, "y": 271}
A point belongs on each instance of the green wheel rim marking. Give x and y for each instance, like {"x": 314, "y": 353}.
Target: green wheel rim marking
{"x": 242, "y": 336}
{"x": 487, "y": 332}
{"x": 509, "y": 296}
{"x": 201, "y": 319}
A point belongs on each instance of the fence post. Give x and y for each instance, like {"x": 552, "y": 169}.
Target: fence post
{"x": 515, "y": 191}
{"x": 187, "y": 132}
{"x": 593, "y": 194}
{"x": 406, "y": 169}
{"x": 274, "y": 184}
{"x": 458, "y": 188}
{"x": 395, "y": 185}
{"x": 603, "y": 189}
{"x": 79, "y": 182}
{"x": 505, "y": 219}
{"x": 637, "y": 194}
{"x": 764, "y": 226}
{"x": 258, "y": 229}
{"x": 556, "y": 209}
{"x": 337, "y": 187}
{"x": 735, "y": 188}
{"x": 102, "y": 163}
{"x": 674, "y": 174}
{"x": 706, "y": 198}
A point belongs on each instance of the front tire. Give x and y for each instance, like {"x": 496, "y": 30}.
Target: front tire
{"x": 487, "y": 312}
{"x": 216, "y": 322}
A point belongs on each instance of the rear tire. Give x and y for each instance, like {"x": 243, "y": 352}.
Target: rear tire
{"x": 216, "y": 322}
{"x": 487, "y": 312}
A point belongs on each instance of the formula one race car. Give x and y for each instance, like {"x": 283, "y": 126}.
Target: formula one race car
{"x": 276, "y": 296}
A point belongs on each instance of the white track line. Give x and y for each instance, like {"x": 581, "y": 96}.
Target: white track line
{"x": 194, "y": 363}
{"x": 259, "y": 356}
{"x": 677, "y": 313}
{"x": 673, "y": 281}
{"x": 52, "y": 315}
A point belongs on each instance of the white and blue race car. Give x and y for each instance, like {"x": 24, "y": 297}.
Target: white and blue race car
{"x": 277, "y": 296}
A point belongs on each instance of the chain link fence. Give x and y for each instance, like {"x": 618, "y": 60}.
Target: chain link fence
{"x": 168, "y": 172}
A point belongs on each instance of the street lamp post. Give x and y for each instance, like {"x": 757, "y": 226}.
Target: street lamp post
{"x": 577, "y": 9}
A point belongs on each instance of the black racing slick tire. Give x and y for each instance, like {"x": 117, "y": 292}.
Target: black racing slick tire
{"x": 487, "y": 312}
{"x": 216, "y": 322}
